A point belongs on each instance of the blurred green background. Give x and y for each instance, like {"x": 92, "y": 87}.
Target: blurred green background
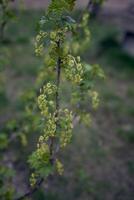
{"x": 99, "y": 164}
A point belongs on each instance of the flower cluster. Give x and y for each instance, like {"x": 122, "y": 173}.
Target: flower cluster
{"x": 33, "y": 179}
{"x": 59, "y": 167}
{"x": 86, "y": 118}
{"x": 73, "y": 68}
{"x": 97, "y": 72}
{"x": 39, "y": 47}
{"x": 95, "y": 99}
{"x": 79, "y": 44}
{"x": 50, "y": 127}
{"x": 85, "y": 28}
{"x": 57, "y": 35}
{"x": 45, "y": 101}
{"x": 58, "y": 127}
{"x": 66, "y": 126}
{"x": 40, "y": 161}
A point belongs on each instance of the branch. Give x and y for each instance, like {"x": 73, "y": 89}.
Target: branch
{"x": 31, "y": 190}
{"x": 58, "y": 69}
{"x": 90, "y": 5}
{"x": 93, "y": 7}
{"x": 57, "y": 100}
{"x": 89, "y": 8}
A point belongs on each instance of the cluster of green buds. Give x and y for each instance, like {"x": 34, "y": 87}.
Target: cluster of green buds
{"x": 95, "y": 99}
{"x": 79, "y": 44}
{"x": 73, "y": 68}
{"x": 50, "y": 126}
{"x": 97, "y": 71}
{"x": 66, "y": 126}
{"x": 33, "y": 179}
{"x": 59, "y": 167}
{"x": 55, "y": 126}
{"x": 86, "y": 119}
{"x": 40, "y": 161}
{"x": 84, "y": 26}
{"x": 57, "y": 35}
{"x": 39, "y": 47}
{"x": 45, "y": 101}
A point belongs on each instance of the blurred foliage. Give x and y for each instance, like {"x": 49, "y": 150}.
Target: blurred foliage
{"x": 6, "y": 15}
{"x": 108, "y": 148}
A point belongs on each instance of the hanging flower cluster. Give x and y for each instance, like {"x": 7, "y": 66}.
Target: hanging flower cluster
{"x": 39, "y": 48}
{"x": 73, "y": 68}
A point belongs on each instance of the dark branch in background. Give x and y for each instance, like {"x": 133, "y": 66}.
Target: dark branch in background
{"x": 89, "y": 8}
{"x": 93, "y": 8}
{"x": 90, "y": 5}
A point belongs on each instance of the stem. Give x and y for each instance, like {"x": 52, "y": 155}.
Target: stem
{"x": 58, "y": 70}
{"x": 93, "y": 8}
{"x": 89, "y": 5}
{"x": 31, "y": 191}
{"x": 89, "y": 8}
{"x": 57, "y": 100}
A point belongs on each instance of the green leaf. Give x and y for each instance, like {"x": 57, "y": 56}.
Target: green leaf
{"x": 3, "y": 141}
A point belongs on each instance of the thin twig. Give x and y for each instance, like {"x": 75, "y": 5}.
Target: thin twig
{"x": 90, "y": 5}
{"x": 31, "y": 190}
{"x": 57, "y": 101}
{"x": 89, "y": 8}
{"x": 58, "y": 70}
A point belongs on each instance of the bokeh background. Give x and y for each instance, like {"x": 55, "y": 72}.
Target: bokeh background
{"x": 99, "y": 164}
